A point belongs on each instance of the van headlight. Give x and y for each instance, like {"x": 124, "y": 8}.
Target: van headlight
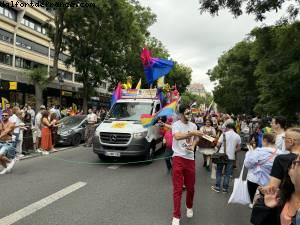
{"x": 140, "y": 134}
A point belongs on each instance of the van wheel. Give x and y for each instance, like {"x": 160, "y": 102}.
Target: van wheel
{"x": 150, "y": 154}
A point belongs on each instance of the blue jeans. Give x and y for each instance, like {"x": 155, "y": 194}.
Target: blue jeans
{"x": 8, "y": 149}
{"x": 228, "y": 173}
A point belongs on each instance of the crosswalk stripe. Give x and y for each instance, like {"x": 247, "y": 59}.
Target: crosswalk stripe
{"x": 32, "y": 208}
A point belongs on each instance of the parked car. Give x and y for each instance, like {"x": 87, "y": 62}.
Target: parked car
{"x": 72, "y": 130}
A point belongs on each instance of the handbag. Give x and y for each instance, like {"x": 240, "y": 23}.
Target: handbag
{"x": 240, "y": 194}
{"x": 218, "y": 157}
{"x": 263, "y": 215}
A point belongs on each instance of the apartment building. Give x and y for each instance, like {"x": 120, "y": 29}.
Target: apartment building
{"x": 24, "y": 45}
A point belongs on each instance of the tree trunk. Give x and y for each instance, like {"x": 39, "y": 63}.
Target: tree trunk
{"x": 85, "y": 98}
{"x": 38, "y": 96}
{"x": 57, "y": 42}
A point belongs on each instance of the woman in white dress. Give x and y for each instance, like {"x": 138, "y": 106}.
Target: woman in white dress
{"x": 207, "y": 147}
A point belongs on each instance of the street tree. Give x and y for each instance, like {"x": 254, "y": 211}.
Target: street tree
{"x": 189, "y": 98}
{"x": 257, "y": 8}
{"x": 236, "y": 91}
{"x": 181, "y": 76}
{"x": 39, "y": 78}
{"x": 105, "y": 41}
{"x": 276, "y": 51}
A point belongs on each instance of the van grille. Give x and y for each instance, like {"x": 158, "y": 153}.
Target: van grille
{"x": 114, "y": 138}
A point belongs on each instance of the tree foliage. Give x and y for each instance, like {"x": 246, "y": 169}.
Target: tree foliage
{"x": 261, "y": 74}
{"x": 277, "y": 51}
{"x": 104, "y": 41}
{"x": 236, "y": 91}
{"x": 188, "y": 98}
{"x": 257, "y": 8}
{"x": 181, "y": 76}
{"x": 39, "y": 77}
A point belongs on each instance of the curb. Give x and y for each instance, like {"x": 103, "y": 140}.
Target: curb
{"x": 36, "y": 154}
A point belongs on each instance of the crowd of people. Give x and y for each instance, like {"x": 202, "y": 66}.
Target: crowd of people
{"x": 24, "y": 131}
{"x": 272, "y": 160}
{"x": 272, "y": 157}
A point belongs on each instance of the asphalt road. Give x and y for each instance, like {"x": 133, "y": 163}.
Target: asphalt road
{"x": 135, "y": 194}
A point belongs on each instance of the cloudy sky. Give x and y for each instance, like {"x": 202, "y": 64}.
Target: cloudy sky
{"x": 198, "y": 40}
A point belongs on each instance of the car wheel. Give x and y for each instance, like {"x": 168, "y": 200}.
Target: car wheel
{"x": 76, "y": 139}
{"x": 150, "y": 153}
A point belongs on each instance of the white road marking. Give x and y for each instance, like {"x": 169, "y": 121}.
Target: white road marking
{"x": 113, "y": 167}
{"x": 30, "y": 209}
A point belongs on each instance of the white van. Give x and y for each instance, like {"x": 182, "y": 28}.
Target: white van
{"x": 122, "y": 134}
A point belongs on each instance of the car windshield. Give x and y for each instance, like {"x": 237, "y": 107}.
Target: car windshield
{"x": 72, "y": 120}
{"x": 131, "y": 111}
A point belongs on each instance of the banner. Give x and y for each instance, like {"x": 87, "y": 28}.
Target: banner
{"x": 13, "y": 85}
{"x": 4, "y": 101}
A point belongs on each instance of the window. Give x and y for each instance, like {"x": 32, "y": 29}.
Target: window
{"x": 9, "y": 13}
{"x": 5, "y": 58}
{"x": 66, "y": 75}
{"x": 33, "y": 24}
{"x": 26, "y": 64}
{"x": 130, "y": 111}
{"x": 6, "y": 36}
{"x": 25, "y": 43}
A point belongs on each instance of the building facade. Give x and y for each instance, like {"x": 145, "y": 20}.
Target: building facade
{"x": 24, "y": 45}
{"x": 197, "y": 89}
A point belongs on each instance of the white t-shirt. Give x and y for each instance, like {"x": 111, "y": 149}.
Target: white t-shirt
{"x": 92, "y": 118}
{"x": 232, "y": 140}
{"x": 16, "y": 121}
{"x": 38, "y": 119}
{"x": 280, "y": 144}
{"x": 179, "y": 146}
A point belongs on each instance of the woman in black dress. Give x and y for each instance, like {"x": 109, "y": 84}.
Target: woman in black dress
{"x": 27, "y": 146}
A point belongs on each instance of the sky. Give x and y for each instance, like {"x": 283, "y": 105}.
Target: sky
{"x": 199, "y": 40}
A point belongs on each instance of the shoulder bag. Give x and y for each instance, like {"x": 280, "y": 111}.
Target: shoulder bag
{"x": 218, "y": 157}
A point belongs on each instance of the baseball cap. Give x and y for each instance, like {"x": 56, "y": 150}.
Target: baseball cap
{"x": 42, "y": 107}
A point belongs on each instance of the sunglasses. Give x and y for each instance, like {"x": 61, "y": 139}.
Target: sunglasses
{"x": 5, "y": 115}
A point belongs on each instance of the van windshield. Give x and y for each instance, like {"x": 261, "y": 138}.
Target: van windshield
{"x": 130, "y": 111}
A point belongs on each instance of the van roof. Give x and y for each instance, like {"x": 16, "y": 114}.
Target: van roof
{"x": 142, "y": 100}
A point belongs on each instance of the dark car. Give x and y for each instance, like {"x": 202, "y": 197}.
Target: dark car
{"x": 72, "y": 130}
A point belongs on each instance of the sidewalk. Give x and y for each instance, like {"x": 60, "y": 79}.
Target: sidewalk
{"x": 37, "y": 154}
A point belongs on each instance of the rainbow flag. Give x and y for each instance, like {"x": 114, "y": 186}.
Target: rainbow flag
{"x": 168, "y": 110}
{"x": 147, "y": 120}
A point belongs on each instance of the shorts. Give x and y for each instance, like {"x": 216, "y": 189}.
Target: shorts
{"x": 8, "y": 150}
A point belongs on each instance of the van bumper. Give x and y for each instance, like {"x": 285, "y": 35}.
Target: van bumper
{"x": 137, "y": 147}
